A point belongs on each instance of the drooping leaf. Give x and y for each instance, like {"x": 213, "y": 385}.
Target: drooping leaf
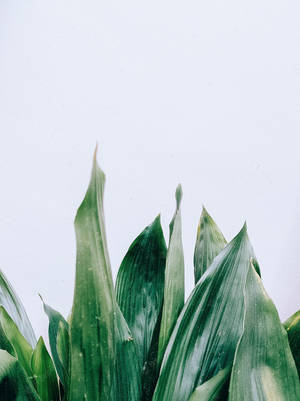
{"x": 263, "y": 368}
{"x": 209, "y": 243}
{"x": 14, "y": 383}
{"x": 12, "y": 304}
{"x": 174, "y": 279}
{"x": 140, "y": 286}
{"x": 292, "y": 326}
{"x": 58, "y": 331}
{"x": 92, "y": 327}
{"x": 22, "y": 349}
{"x": 213, "y": 389}
{"x": 44, "y": 373}
{"x": 207, "y": 331}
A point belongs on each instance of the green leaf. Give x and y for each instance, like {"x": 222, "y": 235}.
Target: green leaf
{"x": 140, "y": 286}
{"x": 14, "y": 383}
{"x": 128, "y": 377}
{"x": 174, "y": 279}
{"x": 212, "y": 389}
{"x": 58, "y": 332}
{"x": 263, "y": 369}
{"x": 209, "y": 244}
{"x": 207, "y": 331}
{"x": 292, "y": 326}
{"x": 44, "y": 373}
{"x": 22, "y": 350}
{"x": 92, "y": 327}
{"x": 12, "y": 304}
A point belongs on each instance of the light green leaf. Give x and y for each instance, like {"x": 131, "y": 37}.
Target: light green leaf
{"x": 263, "y": 369}
{"x": 212, "y": 389}
{"x": 44, "y": 373}
{"x": 207, "y": 331}
{"x": 209, "y": 243}
{"x": 92, "y": 327}
{"x": 14, "y": 383}
{"x": 58, "y": 332}
{"x": 22, "y": 350}
{"x": 292, "y": 326}
{"x": 174, "y": 279}
{"x": 140, "y": 286}
{"x": 12, "y": 304}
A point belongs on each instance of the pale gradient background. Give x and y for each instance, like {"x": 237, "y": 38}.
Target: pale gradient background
{"x": 206, "y": 93}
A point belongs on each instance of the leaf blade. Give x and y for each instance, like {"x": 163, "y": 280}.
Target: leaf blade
{"x": 263, "y": 367}
{"x": 211, "y": 390}
{"x": 292, "y": 326}
{"x": 209, "y": 243}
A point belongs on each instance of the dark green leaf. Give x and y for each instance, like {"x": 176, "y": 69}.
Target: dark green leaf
{"x": 207, "y": 331}
{"x": 213, "y": 389}
{"x": 140, "y": 285}
{"x": 44, "y": 373}
{"x": 292, "y": 326}
{"x": 14, "y": 383}
{"x": 58, "y": 332}
{"x": 12, "y": 304}
{"x": 263, "y": 367}
{"x": 209, "y": 244}
{"x": 174, "y": 280}
{"x": 92, "y": 327}
{"x": 22, "y": 350}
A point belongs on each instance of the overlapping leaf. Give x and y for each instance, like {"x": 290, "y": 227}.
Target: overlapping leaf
{"x": 58, "y": 332}
{"x": 22, "y": 350}
{"x": 13, "y": 306}
{"x": 206, "y": 334}
{"x": 14, "y": 383}
{"x": 140, "y": 285}
{"x": 292, "y": 326}
{"x": 174, "y": 279}
{"x": 214, "y": 389}
{"x": 263, "y": 369}
{"x": 44, "y": 373}
{"x": 209, "y": 243}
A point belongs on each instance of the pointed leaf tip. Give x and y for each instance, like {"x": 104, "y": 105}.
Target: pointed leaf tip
{"x": 178, "y": 196}
{"x": 95, "y": 152}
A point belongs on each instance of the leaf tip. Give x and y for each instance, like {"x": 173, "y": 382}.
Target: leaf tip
{"x": 178, "y": 196}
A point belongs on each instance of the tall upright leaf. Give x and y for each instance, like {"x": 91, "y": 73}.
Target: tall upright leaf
{"x": 174, "y": 279}
{"x": 22, "y": 349}
{"x": 209, "y": 243}
{"x": 44, "y": 373}
{"x": 140, "y": 285}
{"x": 14, "y": 383}
{"x": 263, "y": 369}
{"x": 13, "y": 306}
{"x": 292, "y": 326}
{"x": 205, "y": 336}
{"x": 92, "y": 340}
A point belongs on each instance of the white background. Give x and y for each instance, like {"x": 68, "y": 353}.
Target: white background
{"x": 206, "y": 93}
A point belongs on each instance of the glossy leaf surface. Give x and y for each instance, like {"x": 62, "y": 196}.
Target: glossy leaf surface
{"x": 292, "y": 326}
{"x": 58, "y": 331}
{"x": 44, "y": 373}
{"x": 13, "y": 306}
{"x": 209, "y": 243}
{"x": 174, "y": 279}
{"x": 14, "y": 383}
{"x": 205, "y": 337}
{"x": 22, "y": 350}
{"x": 263, "y": 369}
{"x": 140, "y": 286}
{"x": 213, "y": 389}
{"x": 92, "y": 327}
